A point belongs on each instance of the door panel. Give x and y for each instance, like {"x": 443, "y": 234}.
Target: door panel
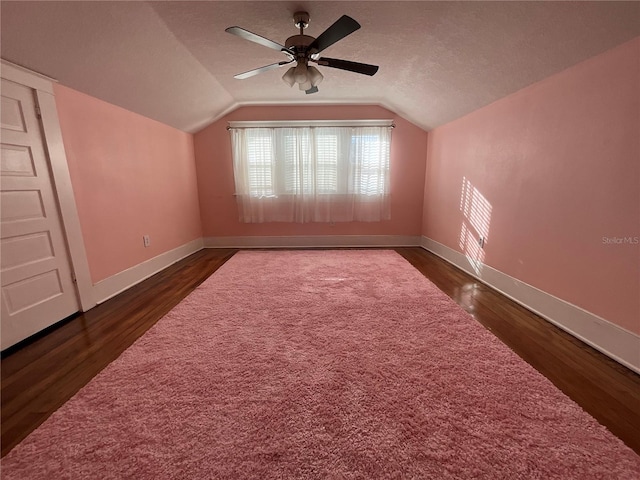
{"x": 12, "y": 116}
{"x": 37, "y": 282}
{"x": 17, "y": 161}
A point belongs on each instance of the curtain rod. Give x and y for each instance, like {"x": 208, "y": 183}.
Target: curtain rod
{"x": 311, "y": 124}
{"x": 392, "y": 125}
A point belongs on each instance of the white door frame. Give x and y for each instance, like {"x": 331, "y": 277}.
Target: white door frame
{"x": 57, "y": 158}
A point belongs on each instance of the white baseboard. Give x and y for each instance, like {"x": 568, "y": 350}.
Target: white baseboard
{"x": 110, "y": 287}
{"x": 314, "y": 241}
{"x": 617, "y": 343}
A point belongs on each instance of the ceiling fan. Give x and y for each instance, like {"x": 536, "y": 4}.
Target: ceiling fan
{"x": 303, "y": 49}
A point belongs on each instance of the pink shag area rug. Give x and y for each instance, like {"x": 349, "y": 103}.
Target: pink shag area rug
{"x": 319, "y": 364}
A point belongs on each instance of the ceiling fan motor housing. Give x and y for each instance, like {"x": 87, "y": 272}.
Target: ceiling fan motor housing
{"x": 299, "y": 43}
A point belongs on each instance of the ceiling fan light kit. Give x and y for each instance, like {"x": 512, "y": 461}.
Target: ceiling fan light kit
{"x": 304, "y": 75}
{"x": 303, "y": 49}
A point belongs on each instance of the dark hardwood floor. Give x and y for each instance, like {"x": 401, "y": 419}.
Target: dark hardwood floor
{"x": 41, "y": 374}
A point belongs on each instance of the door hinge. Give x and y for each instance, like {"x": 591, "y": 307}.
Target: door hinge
{"x": 38, "y": 113}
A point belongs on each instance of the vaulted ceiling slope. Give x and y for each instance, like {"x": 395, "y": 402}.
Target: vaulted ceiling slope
{"x": 172, "y": 60}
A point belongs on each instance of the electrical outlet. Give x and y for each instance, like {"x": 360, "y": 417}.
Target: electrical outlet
{"x": 481, "y": 242}
{"x": 146, "y": 240}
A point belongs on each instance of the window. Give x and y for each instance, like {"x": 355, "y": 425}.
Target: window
{"x": 312, "y": 172}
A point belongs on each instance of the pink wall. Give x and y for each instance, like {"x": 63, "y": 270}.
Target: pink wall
{"x": 216, "y": 186}
{"x": 131, "y": 176}
{"x": 559, "y": 164}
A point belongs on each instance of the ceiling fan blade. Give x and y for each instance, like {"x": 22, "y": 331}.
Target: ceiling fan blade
{"x": 252, "y": 37}
{"x": 363, "y": 68}
{"x": 344, "y": 26}
{"x": 256, "y": 71}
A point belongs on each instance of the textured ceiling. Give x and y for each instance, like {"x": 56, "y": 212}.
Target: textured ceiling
{"x": 173, "y": 61}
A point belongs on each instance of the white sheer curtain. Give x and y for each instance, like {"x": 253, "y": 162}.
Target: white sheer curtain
{"x": 312, "y": 174}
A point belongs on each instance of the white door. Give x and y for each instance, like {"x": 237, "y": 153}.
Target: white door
{"x": 37, "y": 283}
